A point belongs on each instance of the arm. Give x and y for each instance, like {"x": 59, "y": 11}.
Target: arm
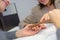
{"x": 54, "y": 16}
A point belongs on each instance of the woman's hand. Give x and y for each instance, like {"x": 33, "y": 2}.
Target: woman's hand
{"x": 45, "y": 18}
{"x": 26, "y": 31}
{"x": 4, "y": 4}
{"x": 55, "y": 17}
{"x": 7, "y": 2}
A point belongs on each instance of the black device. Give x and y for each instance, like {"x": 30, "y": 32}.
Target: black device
{"x": 9, "y": 18}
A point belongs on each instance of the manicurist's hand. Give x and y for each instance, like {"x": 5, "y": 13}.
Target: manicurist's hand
{"x": 45, "y": 18}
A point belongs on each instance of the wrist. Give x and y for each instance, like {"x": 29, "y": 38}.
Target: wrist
{"x": 19, "y": 33}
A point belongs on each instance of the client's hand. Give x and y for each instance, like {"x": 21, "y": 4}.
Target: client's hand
{"x": 37, "y": 26}
{"x": 28, "y": 32}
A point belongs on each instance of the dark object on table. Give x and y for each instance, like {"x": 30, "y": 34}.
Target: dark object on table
{"x": 10, "y": 20}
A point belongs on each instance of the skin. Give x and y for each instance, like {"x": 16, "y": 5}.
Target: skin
{"x": 45, "y": 2}
{"x": 26, "y": 31}
{"x": 4, "y": 4}
{"x": 54, "y": 16}
{"x": 7, "y": 2}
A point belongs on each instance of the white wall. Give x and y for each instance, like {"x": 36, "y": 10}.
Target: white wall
{"x": 24, "y": 7}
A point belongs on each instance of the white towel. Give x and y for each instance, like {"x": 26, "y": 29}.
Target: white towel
{"x": 47, "y": 34}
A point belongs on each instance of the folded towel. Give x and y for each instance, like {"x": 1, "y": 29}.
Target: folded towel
{"x": 47, "y": 34}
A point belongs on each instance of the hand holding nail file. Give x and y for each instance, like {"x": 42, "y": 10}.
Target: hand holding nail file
{"x": 53, "y": 16}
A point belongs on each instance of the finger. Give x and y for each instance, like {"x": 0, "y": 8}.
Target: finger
{"x": 42, "y": 26}
{"x": 29, "y": 25}
{"x": 34, "y": 29}
{"x": 42, "y": 19}
{"x": 39, "y": 28}
{"x": 47, "y": 18}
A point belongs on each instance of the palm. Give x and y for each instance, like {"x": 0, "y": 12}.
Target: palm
{"x": 28, "y": 31}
